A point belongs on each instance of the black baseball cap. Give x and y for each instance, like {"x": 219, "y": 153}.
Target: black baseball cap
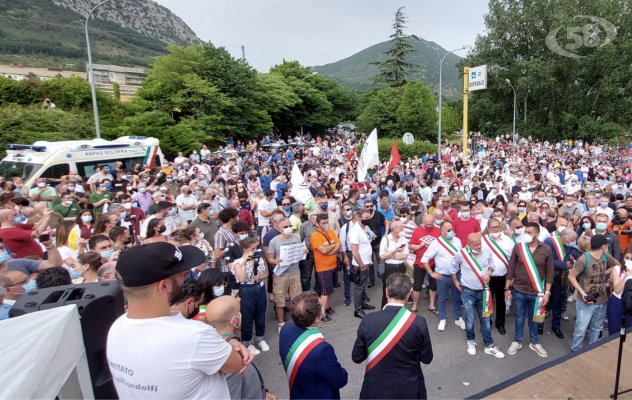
{"x": 598, "y": 241}
{"x": 150, "y": 263}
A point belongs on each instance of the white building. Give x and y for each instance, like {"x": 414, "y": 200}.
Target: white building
{"x": 18, "y": 72}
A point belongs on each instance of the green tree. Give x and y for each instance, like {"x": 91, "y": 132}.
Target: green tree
{"x": 273, "y": 95}
{"x": 451, "y": 120}
{"x": 394, "y": 69}
{"x": 417, "y": 112}
{"x": 117, "y": 91}
{"x": 381, "y": 112}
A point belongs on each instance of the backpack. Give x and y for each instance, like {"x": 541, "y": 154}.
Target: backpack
{"x": 588, "y": 266}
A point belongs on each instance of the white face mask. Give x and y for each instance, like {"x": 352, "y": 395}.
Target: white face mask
{"x": 528, "y": 239}
{"x": 438, "y": 222}
{"x": 127, "y": 206}
{"x": 560, "y": 229}
{"x": 518, "y": 232}
{"x": 478, "y": 217}
{"x": 287, "y": 231}
{"x": 495, "y": 235}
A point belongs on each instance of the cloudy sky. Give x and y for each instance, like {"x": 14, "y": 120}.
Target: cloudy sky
{"x": 318, "y": 32}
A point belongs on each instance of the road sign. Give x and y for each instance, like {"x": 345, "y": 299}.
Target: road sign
{"x": 408, "y": 138}
{"x": 478, "y": 78}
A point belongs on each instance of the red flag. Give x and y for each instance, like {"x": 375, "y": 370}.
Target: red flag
{"x": 395, "y": 159}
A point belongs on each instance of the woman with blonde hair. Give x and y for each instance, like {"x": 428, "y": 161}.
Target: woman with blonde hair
{"x": 62, "y": 236}
{"x": 87, "y": 265}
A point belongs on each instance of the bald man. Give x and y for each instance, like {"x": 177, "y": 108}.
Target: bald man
{"x": 223, "y": 315}
{"x": 419, "y": 242}
{"x": 476, "y": 266}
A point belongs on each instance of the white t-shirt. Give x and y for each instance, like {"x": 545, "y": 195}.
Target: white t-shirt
{"x": 186, "y": 200}
{"x": 67, "y": 252}
{"x": 170, "y": 225}
{"x": 267, "y": 206}
{"x": 167, "y": 358}
{"x": 359, "y": 236}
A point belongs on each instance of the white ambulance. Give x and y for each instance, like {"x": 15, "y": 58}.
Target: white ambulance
{"x": 54, "y": 159}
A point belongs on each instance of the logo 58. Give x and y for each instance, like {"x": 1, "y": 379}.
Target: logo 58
{"x": 597, "y": 33}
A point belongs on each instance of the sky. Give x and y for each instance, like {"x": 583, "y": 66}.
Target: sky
{"x": 317, "y": 32}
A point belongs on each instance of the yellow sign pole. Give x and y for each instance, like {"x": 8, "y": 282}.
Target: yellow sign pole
{"x": 466, "y": 92}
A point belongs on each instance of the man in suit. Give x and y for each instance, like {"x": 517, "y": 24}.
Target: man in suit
{"x": 310, "y": 362}
{"x": 393, "y": 370}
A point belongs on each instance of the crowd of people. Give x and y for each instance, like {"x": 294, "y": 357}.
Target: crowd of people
{"x": 199, "y": 243}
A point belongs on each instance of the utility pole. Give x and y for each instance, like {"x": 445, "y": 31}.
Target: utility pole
{"x": 243, "y": 52}
{"x": 95, "y": 107}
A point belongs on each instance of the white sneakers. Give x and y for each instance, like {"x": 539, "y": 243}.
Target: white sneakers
{"x": 538, "y": 349}
{"x": 513, "y": 349}
{"x": 460, "y": 323}
{"x": 254, "y": 350}
{"x": 264, "y": 346}
{"x": 571, "y": 298}
{"x": 442, "y": 325}
{"x": 494, "y": 351}
{"x": 471, "y": 347}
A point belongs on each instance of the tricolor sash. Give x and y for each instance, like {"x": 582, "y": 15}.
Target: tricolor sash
{"x": 538, "y": 284}
{"x": 391, "y": 335}
{"x": 559, "y": 247}
{"x": 447, "y": 245}
{"x": 488, "y": 306}
{"x": 497, "y": 251}
{"x": 299, "y": 350}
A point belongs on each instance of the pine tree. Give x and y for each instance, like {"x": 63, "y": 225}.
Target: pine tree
{"x": 395, "y": 69}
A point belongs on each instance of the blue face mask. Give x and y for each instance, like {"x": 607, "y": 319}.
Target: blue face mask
{"x": 586, "y": 225}
{"x": 31, "y": 285}
{"x": 107, "y": 253}
{"x": 287, "y": 208}
{"x": 592, "y": 209}
{"x": 17, "y": 220}
{"x": 602, "y": 226}
{"x": 4, "y": 257}
{"x": 211, "y": 212}
{"x": 324, "y": 207}
{"x": 218, "y": 291}
{"x": 349, "y": 213}
{"x": 169, "y": 180}
{"x": 73, "y": 274}
{"x": 123, "y": 215}
{"x": 171, "y": 212}
{"x": 243, "y": 237}
{"x": 135, "y": 204}
{"x": 86, "y": 218}
{"x": 108, "y": 185}
{"x": 22, "y": 217}
{"x": 142, "y": 190}
{"x": 450, "y": 235}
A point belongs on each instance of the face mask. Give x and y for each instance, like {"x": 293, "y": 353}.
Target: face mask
{"x": 475, "y": 251}
{"x": 560, "y": 229}
{"x": 528, "y": 239}
{"x": 478, "y": 217}
{"x": 496, "y": 235}
{"x": 522, "y": 208}
{"x": 171, "y": 212}
{"x": 243, "y": 237}
{"x": 162, "y": 229}
{"x": 211, "y": 212}
{"x": 602, "y": 226}
{"x": 4, "y": 256}
{"x": 123, "y": 215}
{"x": 465, "y": 214}
{"x": 127, "y": 206}
{"x": 438, "y": 221}
{"x": 218, "y": 291}
{"x": 30, "y": 285}
{"x": 326, "y": 228}
{"x": 324, "y": 207}
{"x": 586, "y": 225}
{"x": 362, "y": 195}
{"x": 524, "y": 189}
{"x": 450, "y": 235}
{"x": 604, "y": 204}
{"x": 142, "y": 190}
{"x": 518, "y": 232}
{"x": 540, "y": 198}
{"x": 573, "y": 183}
{"x": 234, "y": 175}
{"x": 568, "y": 205}
{"x": 349, "y": 213}
{"x": 288, "y": 208}
{"x": 169, "y": 180}
{"x": 86, "y": 218}
{"x": 107, "y": 253}
{"x": 68, "y": 203}
{"x": 592, "y": 209}
{"x": 41, "y": 184}
{"x": 108, "y": 185}
{"x": 71, "y": 188}
{"x": 288, "y": 231}
{"x": 163, "y": 198}
{"x": 74, "y": 274}
{"x": 620, "y": 186}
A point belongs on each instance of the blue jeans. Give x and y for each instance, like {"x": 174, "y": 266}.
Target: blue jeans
{"x": 253, "y": 311}
{"x": 588, "y": 316}
{"x": 525, "y": 303}
{"x": 473, "y": 304}
{"x": 445, "y": 286}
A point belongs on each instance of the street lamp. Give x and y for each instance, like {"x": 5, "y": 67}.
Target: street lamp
{"x": 440, "y": 83}
{"x": 313, "y": 73}
{"x": 97, "y": 126}
{"x": 514, "y": 111}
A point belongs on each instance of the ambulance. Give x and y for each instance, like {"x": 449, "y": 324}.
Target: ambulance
{"x": 51, "y": 160}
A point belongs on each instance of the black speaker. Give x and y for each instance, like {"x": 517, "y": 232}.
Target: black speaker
{"x": 99, "y": 305}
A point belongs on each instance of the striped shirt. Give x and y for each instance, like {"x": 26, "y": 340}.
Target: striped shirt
{"x": 409, "y": 228}
{"x": 223, "y": 238}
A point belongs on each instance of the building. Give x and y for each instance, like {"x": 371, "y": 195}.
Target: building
{"x": 18, "y": 72}
{"x": 129, "y": 79}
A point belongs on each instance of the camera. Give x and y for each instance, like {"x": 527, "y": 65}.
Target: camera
{"x": 258, "y": 253}
{"x": 590, "y": 298}
{"x": 617, "y": 220}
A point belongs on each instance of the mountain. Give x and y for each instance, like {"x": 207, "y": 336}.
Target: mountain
{"x": 50, "y": 33}
{"x": 355, "y": 71}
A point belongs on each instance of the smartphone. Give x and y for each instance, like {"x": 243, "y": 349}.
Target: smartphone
{"x": 44, "y": 238}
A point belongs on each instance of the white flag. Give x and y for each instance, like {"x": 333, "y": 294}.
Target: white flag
{"x": 300, "y": 189}
{"x": 369, "y": 156}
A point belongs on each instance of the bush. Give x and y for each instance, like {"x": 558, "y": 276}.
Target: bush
{"x": 418, "y": 149}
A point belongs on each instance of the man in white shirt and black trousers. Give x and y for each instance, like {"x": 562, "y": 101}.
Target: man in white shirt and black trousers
{"x": 184, "y": 359}
{"x": 476, "y": 266}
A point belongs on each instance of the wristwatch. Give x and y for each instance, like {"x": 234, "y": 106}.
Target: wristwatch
{"x": 507, "y": 289}
{"x": 547, "y": 292}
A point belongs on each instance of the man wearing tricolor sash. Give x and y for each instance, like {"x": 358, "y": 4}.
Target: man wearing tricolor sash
{"x": 476, "y": 266}
{"x": 442, "y": 251}
{"x": 393, "y": 342}
{"x": 559, "y": 244}
{"x": 311, "y": 365}
{"x": 528, "y": 283}
{"x": 501, "y": 247}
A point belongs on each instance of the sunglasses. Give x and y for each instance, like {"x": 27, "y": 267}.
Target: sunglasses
{"x": 285, "y": 204}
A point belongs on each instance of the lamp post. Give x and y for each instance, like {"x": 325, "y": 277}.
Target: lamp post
{"x": 313, "y": 73}
{"x": 514, "y": 111}
{"x": 97, "y": 126}
{"x": 440, "y": 84}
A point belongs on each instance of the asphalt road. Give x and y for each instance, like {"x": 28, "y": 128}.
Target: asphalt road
{"x": 453, "y": 373}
